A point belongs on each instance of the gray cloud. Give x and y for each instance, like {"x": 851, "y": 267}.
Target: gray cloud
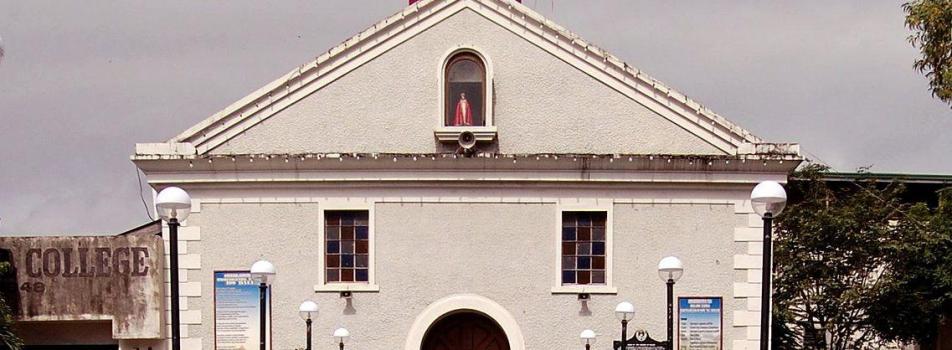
{"x": 82, "y": 82}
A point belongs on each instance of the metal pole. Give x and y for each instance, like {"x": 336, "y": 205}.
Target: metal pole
{"x": 670, "y": 314}
{"x": 174, "y": 277}
{"x": 765, "y": 284}
{"x": 263, "y": 288}
{"x": 624, "y": 334}
{"x": 308, "y": 333}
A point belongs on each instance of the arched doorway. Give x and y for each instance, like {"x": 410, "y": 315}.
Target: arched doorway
{"x": 465, "y": 331}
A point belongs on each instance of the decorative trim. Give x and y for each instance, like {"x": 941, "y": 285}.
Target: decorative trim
{"x": 346, "y": 287}
{"x": 451, "y": 133}
{"x": 745, "y": 316}
{"x": 588, "y": 289}
{"x": 464, "y": 200}
{"x": 465, "y": 302}
{"x": 188, "y": 290}
{"x": 456, "y": 177}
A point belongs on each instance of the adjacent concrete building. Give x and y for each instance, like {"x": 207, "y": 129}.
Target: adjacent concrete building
{"x": 87, "y": 292}
{"x": 468, "y": 168}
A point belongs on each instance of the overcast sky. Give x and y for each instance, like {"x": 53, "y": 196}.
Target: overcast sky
{"x": 83, "y": 81}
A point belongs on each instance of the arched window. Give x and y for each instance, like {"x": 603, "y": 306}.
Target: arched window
{"x": 465, "y": 94}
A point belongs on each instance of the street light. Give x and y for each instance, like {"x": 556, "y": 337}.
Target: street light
{"x": 263, "y": 273}
{"x": 308, "y": 310}
{"x": 768, "y": 199}
{"x": 588, "y": 338}
{"x": 624, "y": 312}
{"x": 174, "y": 204}
{"x": 341, "y": 334}
{"x": 670, "y": 270}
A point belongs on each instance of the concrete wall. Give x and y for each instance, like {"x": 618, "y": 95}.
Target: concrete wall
{"x": 491, "y": 247}
{"x": 393, "y": 104}
{"x": 116, "y": 279}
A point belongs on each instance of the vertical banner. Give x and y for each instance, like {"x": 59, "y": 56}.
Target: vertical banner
{"x": 700, "y": 323}
{"x": 237, "y": 311}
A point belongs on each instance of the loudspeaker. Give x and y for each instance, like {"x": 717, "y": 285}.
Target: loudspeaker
{"x": 467, "y": 140}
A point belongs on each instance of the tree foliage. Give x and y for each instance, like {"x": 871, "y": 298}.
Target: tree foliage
{"x": 857, "y": 266}
{"x": 917, "y": 291}
{"x": 829, "y": 253}
{"x": 8, "y": 339}
{"x": 931, "y": 23}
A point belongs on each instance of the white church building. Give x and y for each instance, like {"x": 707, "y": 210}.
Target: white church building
{"x": 467, "y": 169}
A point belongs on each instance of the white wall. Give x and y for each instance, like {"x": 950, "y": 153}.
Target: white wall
{"x": 502, "y": 251}
{"x": 392, "y": 104}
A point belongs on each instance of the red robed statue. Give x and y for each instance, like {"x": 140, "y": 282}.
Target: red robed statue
{"x": 464, "y": 113}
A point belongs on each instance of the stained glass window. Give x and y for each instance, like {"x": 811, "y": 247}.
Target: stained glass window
{"x": 346, "y": 244}
{"x": 583, "y": 247}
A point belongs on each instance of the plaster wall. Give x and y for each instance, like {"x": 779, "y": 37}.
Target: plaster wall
{"x": 393, "y": 104}
{"x": 504, "y": 251}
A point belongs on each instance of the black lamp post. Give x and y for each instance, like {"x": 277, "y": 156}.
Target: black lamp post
{"x": 767, "y": 199}
{"x": 262, "y": 272}
{"x": 308, "y": 310}
{"x": 341, "y": 334}
{"x": 173, "y": 204}
{"x": 624, "y": 312}
{"x": 588, "y": 338}
{"x": 670, "y": 270}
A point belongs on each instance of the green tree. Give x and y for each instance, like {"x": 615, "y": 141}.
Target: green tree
{"x": 8, "y": 339}
{"x": 857, "y": 265}
{"x": 931, "y": 23}
{"x": 917, "y": 293}
{"x": 829, "y": 253}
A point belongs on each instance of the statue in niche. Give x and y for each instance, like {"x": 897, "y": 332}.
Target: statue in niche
{"x": 464, "y": 98}
{"x": 464, "y": 112}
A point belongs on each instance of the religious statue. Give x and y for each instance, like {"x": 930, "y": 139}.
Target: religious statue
{"x": 464, "y": 112}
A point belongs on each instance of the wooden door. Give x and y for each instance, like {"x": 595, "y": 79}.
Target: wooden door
{"x": 465, "y": 331}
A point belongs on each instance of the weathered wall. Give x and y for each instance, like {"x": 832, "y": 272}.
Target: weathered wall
{"x": 542, "y": 104}
{"x": 502, "y": 251}
{"x": 117, "y": 278}
{"x": 65, "y": 333}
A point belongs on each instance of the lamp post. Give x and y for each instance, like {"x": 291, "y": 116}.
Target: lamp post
{"x": 670, "y": 270}
{"x": 768, "y": 199}
{"x": 173, "y": 204}
{"x": 263, "y": 273}
{"x": 624, "y": 312}
{"x": 308, "y": 310}
{"x": 588, "y": 338}
{"x": 341, "y": 334}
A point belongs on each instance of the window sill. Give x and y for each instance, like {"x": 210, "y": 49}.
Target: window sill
{"x": 584, "y": 290}
{"x": 451, "y": 133}
{"x": 346, "y": 287}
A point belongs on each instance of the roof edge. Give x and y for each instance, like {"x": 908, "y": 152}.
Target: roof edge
{"x": 220, "y": 124}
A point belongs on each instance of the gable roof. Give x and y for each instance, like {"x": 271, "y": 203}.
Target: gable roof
{"x": 520, "y": 20}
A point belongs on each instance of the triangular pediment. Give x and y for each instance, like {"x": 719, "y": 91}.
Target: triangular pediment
{"x": 554, "y": 93}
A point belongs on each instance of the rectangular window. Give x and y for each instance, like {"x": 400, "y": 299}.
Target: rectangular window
{"x": 583, "y": 247}
{"x": 346, "y": 246}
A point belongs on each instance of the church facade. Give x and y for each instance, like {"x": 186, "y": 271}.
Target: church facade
{"x": 468, "y": 168}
